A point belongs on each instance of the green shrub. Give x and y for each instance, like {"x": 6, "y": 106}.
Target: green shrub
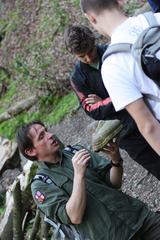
{"x": 62, "y": 108}
{"x": 52, "y": 110}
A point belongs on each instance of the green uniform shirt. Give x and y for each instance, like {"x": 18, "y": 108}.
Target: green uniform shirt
{"x": 109, "y": 215}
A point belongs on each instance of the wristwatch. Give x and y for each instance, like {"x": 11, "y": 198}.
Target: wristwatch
{"x": 118, "y": 164}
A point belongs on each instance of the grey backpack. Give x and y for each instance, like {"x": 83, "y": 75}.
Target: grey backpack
{"x": 143, "y": 50}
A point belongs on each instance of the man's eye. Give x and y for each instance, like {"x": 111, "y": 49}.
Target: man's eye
{"x": 41, "y": 136}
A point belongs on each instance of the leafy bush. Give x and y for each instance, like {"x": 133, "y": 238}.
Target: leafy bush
{"x": 52, "y": 110}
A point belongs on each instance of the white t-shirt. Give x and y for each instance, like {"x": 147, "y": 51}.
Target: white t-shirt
{"x": 122, "y": 77}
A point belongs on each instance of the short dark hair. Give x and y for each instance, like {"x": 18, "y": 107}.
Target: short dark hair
{"x": 79, "y": 39}
{"x": 97, "y": 5}
{"x": 24, "y": 140}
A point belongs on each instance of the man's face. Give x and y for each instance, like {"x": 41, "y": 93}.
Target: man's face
{"x": 89, "y": 57}
{"x": 45, "y": 145}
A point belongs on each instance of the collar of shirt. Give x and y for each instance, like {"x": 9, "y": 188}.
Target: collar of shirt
{"x": 95, "y": 65}
{"x": 45, "y": 164}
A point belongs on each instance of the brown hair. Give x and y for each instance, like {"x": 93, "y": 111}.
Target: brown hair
{"x": 24, "y": 140}
{"x": 79, "y": 39}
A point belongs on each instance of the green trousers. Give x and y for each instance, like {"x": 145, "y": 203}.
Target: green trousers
{"x": 150, "y": 229}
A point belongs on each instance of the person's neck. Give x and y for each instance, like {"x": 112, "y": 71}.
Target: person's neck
{"x": 111, "y": 20}
{"x": 52, "y": 159}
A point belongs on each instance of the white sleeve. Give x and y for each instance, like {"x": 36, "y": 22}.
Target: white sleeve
{"x": 118, "y": 78}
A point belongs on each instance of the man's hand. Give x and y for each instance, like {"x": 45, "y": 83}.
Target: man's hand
{"x": 113, "y": 150}
{"x": 76, "y": 204}
{"x": 116, "y": 171}
{"x": 92, "y": 99}
{"x": 80, "y": 162}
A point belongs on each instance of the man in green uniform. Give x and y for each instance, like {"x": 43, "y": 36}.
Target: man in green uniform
{"x": 83, "y": 190}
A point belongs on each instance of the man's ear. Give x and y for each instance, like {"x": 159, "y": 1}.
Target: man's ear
{"x": 121, "y": 3}
{"x": 30, "y": 152}
{"x": 91, "y": 18}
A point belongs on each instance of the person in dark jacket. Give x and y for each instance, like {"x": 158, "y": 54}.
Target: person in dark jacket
{"x": 86, "y": 81}
{"x": 83, "y": 191}
{"x": 155, "y": 5}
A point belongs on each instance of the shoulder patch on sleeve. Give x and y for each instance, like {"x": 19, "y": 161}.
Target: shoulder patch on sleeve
{"x": 39, "y": 197}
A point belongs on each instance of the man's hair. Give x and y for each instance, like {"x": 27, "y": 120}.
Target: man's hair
{"x": 97, "y": 5}
{"x": 24, "y": 140}
{"x": 79, "y": 39}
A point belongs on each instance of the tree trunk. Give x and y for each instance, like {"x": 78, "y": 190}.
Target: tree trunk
{"x": 35, "y": 227}
{"x": 44, "y": 228}
{"x": 18, "y": 108}
{"x": 17, "y": 213}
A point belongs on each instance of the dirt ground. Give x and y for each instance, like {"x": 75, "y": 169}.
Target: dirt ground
{"x": 137, "y": 182}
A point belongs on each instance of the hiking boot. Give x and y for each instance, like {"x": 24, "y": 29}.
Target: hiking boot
{"x": 105, "y": 131}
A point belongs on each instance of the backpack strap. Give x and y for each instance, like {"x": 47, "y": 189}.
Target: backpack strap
{"x": 148, "y": 40}
{"x": 57, "y": 228}
{"x": 116, "y": 48}
{"x": 152, "y": 97}
{"x": 127, "y": 47}
{"x": 151, "y": 19}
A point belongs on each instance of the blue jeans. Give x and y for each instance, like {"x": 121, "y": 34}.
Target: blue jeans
{"x": 155, "y": 5}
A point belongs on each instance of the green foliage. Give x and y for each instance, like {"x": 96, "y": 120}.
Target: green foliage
{"x": 52, "y": 110}
{"x": 62, "y": 108}
{"x": 2, "y": 210}
{"x": 12, "y": 21}
{"x": 4, "y": 76}
{"x": 47, "y": 102}
{"x": 8, "y": 128}
{"x": 36, "y": 64}
{"x": 2, "y": 110}
{"x": 76, "y": 3}
{"x": 7, "y": 98}
{"x": 2, "y": 203}
{"x": 131, "y": 7}
{"x": 12, "y": 89}
{"x": 28, "y": 54}
{"x": 59, "y": 14}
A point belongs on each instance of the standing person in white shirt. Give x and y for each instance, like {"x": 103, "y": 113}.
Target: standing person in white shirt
{"x": 123, "y": 78}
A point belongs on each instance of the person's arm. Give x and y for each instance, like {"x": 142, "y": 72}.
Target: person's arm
{"x": 116, "y": 171}
{"x": 76, "y": 204}
{"x": 146, "y": 123}
{"x": 94, "y": 106}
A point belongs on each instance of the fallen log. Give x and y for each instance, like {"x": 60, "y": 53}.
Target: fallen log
{"x": 18, "y": 108}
